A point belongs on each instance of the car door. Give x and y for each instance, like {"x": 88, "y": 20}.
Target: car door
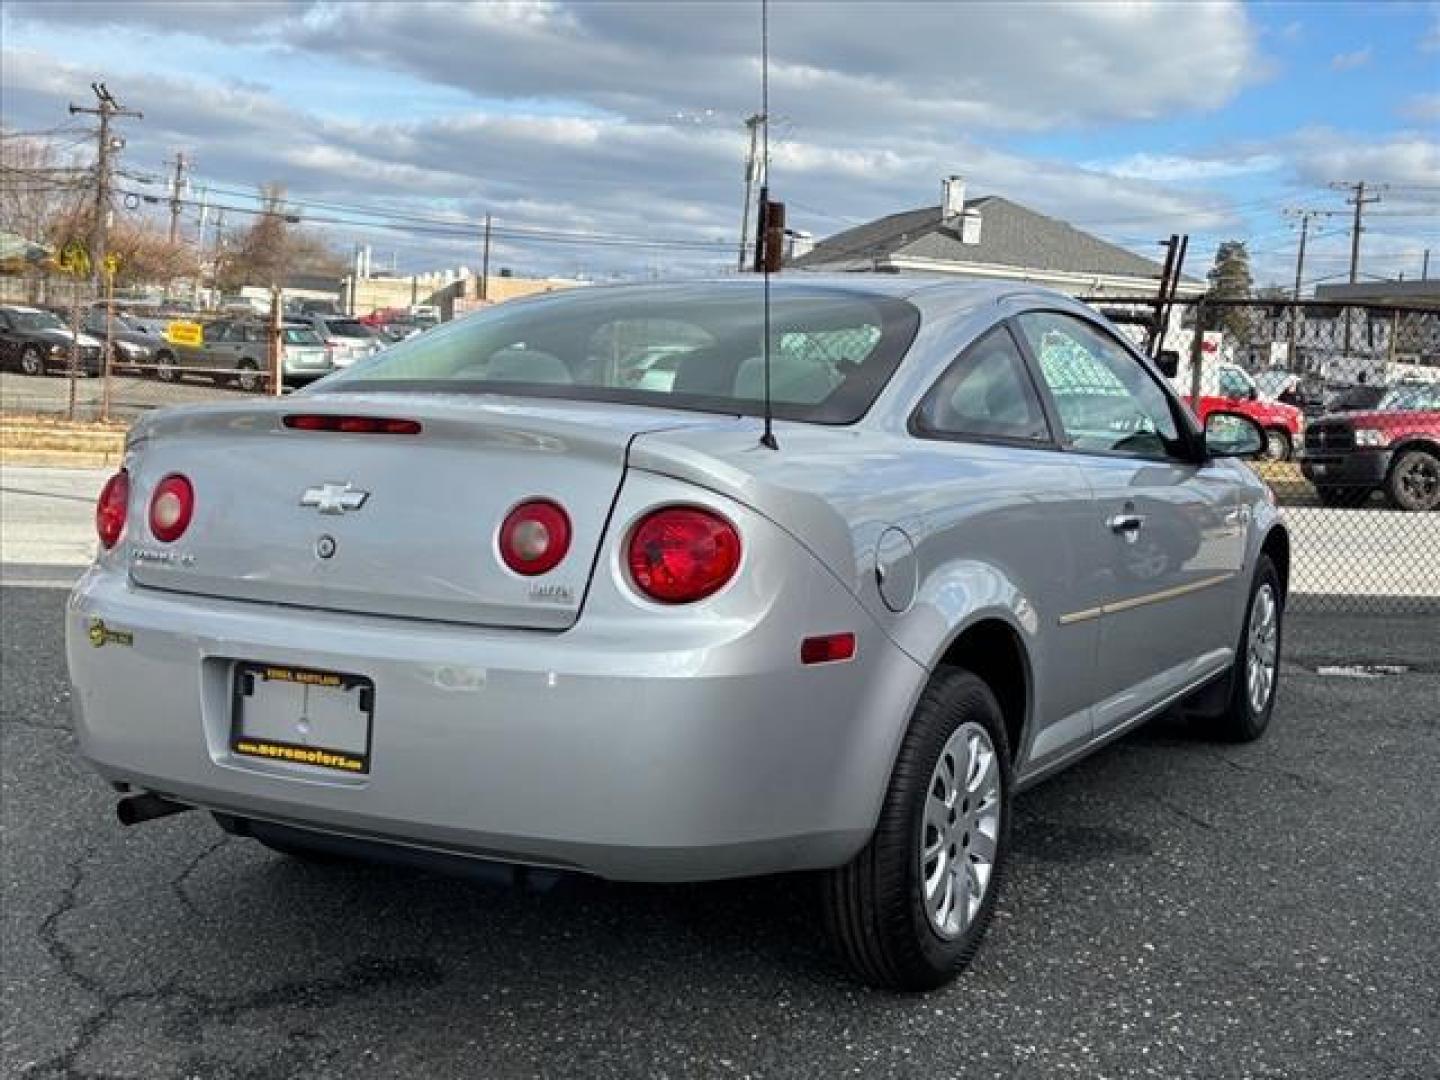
{"x": 9, "y": 352}
{"x": 222, "y": 342}
{"x": 1171, "y": 526}
{"x": 1002, "y": 492}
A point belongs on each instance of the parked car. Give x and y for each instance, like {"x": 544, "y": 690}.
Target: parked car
{"x": 238, "y": 351}
{"x": 478, "y": 598}
{"x": 345, "y": 339}
{"x": 135, "y": 348}
{"x": 1284, "y": 425}
{"x": 38, "y": 342}
{"x": 1393, "y": 448}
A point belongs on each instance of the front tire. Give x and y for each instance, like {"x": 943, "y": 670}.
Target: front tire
{"x": 165, "y": 367}
{"x": 1255, "y": 677}
{"x": 31, "y": 362}
{"x": 1414, "y": 481}
{"x": 909, "y": 911}
{"x": 247, "y": 376}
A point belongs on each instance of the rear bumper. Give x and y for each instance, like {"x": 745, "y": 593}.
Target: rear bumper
{"x": 1356, "y": 468}
{"x": 578, "y": 750}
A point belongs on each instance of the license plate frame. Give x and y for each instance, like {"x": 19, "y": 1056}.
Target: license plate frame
{"x": 350, "y": 759}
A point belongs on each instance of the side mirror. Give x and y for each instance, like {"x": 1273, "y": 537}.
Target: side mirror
{"x": 1231, "y": 435}
{"x": 1168, "y": 361}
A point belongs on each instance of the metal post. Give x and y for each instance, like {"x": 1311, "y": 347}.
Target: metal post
{"x": 109, "y": 346}
{"x": 74, "y": 347}
{"x": 276, "y": 369}
{"x": 484, "y": 264}
{"x": 1295, "y": 307}
{"x": 1197, "y": 354}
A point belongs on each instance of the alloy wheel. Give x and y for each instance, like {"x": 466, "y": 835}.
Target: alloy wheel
{"x": 960, "y": 830}
{"x": 1262, "y": 653}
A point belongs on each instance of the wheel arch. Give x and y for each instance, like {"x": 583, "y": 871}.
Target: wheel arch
{"x": 993, "y": 649}
{"x": 1276, "y": 546}
{"x": 1407, "y": 443}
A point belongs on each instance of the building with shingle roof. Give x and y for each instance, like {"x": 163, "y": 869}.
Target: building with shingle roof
{"x": 988, "y": 237}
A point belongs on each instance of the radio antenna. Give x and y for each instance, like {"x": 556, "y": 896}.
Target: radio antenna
{"x": 765, "y": 235}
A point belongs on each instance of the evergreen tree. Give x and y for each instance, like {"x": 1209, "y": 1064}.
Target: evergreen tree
{"x": 1230, "y": 279}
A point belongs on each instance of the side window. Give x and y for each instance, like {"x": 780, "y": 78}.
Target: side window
{"x": 987, "y": 393}
{"x": 217, "y": 332}
{"x": 1233, "y": 383}
{"x": 1107, "y": 402}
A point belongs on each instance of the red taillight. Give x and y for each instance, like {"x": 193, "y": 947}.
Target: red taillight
{"x": 110, "y": 511}
{"x": 171, "y": 508}
{"x": 534, "y": 537}
{"x": 827, "y": 649}
{"x": 356, "y": 425}
{"x": 682, "y": 554}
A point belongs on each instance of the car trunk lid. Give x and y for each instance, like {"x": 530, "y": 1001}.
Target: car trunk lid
{"x": 393, "y": 524}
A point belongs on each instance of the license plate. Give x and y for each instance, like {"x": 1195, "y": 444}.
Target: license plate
{"x": 1319, "y": 470}
{"x": 303, "y": 716}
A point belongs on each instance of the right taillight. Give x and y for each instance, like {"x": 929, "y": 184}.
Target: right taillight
{"x": 171, "y": 508}
{"x": 682, "y": 554}
{"x": 110, "y": 510}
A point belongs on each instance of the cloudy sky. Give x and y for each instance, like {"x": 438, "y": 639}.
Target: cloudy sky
{"x": 1132, "y": 120}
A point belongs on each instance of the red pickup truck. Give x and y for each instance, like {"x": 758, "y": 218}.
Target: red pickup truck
{"x": 1394, "y": 448}
{"x": 1237, "y": 393}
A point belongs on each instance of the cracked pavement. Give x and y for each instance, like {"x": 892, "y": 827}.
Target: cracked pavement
{"x": 1175, "y": 908}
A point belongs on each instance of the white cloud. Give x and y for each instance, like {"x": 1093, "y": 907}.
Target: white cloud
{"x": 1349, "y": 61}
{"x": 1179, "y": 169}
{"x": 1423, "y": 108}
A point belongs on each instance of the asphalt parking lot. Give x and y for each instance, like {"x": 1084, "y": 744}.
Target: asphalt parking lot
{"x": 1176, "y": 908}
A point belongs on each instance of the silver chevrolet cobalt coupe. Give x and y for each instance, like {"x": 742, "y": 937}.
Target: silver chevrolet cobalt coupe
{"x": 532, "y": 589}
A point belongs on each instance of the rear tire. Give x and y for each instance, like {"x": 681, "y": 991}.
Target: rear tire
{"x": 247, "y": 376}
{"x": 1255, "y": 676}
{"x": 1414, "y": 481}
{"x": 165, "y": 367}
{"x": 909, "y": 911}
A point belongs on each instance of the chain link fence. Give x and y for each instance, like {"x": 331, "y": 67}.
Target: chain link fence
{"x": 70, "y": 352}
{"x": 1349, "y": 397}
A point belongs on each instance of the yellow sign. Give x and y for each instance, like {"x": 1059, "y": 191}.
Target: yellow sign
{"x": 185, "y": 333}
{"x": 112, "y": 264}
{"x": 74, "y": 259}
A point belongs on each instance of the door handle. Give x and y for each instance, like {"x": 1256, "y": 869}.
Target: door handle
{"x": 1126, "y": 523}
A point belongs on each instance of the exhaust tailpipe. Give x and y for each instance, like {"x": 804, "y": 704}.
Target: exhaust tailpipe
{"x": 133, "y": 809}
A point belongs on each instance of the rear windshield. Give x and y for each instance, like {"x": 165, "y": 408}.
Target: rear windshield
{"x": 348, "y": 328}
{"x": 688, "y": 347}
{"x": 1411, "y": 397}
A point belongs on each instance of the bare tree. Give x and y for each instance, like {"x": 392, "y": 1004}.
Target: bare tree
{"x": 273, "y": 247}
{"x": 36, "y": 189}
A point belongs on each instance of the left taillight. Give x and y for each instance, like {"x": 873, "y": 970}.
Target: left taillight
{"x": 534, "y": 537}
{"x": 110, "y": 510}
{"x": 171, "y": 507}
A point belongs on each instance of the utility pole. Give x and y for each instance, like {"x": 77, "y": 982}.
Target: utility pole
{"x": 177, "y": 185}
{"x": 1425, "y": 267}
{"x": 485, "y": 263}
{"x": 1359, "y": 201}
{"x": 753, "y": 124}
{"x": 107, "y": 109}
{"x": 1305, "y": 216}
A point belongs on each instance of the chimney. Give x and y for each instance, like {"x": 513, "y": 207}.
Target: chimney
{"x": 970, "y": 226}
{"x": 801, "y": 243}
{"x": 952, "y": 199}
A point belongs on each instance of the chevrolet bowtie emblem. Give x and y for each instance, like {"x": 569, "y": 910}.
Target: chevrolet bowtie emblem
{"x": 334, "y": 498}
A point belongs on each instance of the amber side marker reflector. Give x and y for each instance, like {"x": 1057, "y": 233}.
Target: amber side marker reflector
{"x": 357, "y": 425}
{"x": 827, "y": 649}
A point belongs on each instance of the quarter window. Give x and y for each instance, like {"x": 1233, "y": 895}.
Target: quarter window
{"x": 1107, "y": 402}
{"x": 987, "y": 393}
